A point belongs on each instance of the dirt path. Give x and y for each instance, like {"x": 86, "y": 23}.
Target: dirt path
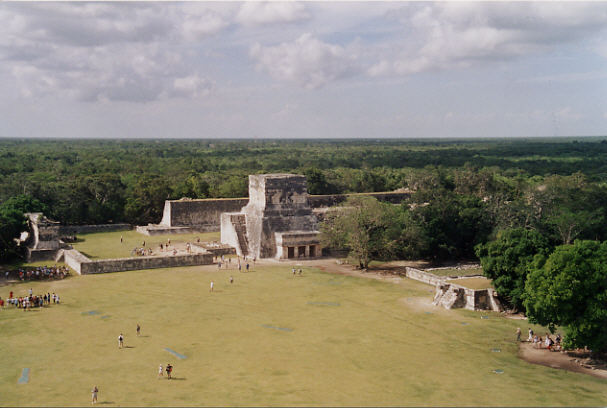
{"x": 555, "y": 359}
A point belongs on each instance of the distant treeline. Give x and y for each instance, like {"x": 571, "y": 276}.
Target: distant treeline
{"x": 100, "y": 181}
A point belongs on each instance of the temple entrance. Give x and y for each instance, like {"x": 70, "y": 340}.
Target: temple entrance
{"x": 301, "y": 251}
{"x": 291, "y": 252}
{"x": 312, "y": 251}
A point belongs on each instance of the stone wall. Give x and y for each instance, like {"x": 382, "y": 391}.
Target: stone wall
{"x": 83, "y": 265}
{"x": 89, "y": 229}
{"x": 205, "y": 215}
{"x": 422, "y": 276}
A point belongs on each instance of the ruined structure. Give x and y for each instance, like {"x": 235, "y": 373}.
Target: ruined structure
{"x": 46, "y": 239}
{"x": 453, "y": 296}
{"x": 204, "y": 215}
{"x": 276, "y": 223}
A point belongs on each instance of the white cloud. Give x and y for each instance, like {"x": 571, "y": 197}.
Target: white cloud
{"x": 455, "y": 34}
{"x": 191, "y": 86}
{"x": 104, "y": 51}
{"x": 202, "y": 24}
{"x": 254, "y": 13}
{"x": 307, "y": 61}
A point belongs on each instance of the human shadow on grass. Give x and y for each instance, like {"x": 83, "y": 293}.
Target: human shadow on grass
{"x": 106, "y": 402}
{"x": 177, "y": 379}
{"x": 129, "y": 346}
{"x": 146, "y": 335}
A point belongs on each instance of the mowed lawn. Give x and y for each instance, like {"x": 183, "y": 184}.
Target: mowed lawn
{"x": 268, "y": 339}
{"x": 105, "y": 245}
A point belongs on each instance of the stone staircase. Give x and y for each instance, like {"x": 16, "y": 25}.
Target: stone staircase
{"x": 240, "y": 226}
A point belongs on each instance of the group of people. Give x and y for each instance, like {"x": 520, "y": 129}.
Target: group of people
{"x": 221, "y": 261}
{"x": 547, "y": 342}
{"x": 168, "y": 368}
{"x": 30, "y": 301}
{"x": 39, "y": 273}
{"x": 142, "y": 252}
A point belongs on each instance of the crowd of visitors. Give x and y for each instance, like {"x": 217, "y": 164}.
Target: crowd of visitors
{"x": 38, "y": 273}
{"x": 547, "y": 342}
{"x": 30, "y": 300}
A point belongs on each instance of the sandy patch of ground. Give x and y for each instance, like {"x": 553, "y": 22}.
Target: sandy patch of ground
{"x": 555, "y": 359}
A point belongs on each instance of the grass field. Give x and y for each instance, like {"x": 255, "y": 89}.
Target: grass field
{"x": 472, "y": 283}
{"x": 456, "y": 272}
{"x": 268, "y": 339}
{"x": 107, "y": 244}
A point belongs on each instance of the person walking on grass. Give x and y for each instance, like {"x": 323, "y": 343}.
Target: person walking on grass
{"x": 94, "y": 393}
{"x": 120, "y": 341}
{"x": 231, "y": 280}
{"x": 212, "y": 284}
{"x": 518, "y": 334}
{"x": 160, "y": 372}
{"x": 169, "y": 370}
{"x": 138, "y": 329}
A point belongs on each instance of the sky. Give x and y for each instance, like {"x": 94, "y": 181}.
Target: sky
{"x": 302, "y": 69}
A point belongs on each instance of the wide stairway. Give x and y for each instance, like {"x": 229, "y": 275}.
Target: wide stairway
{"x": 240, "y": 226}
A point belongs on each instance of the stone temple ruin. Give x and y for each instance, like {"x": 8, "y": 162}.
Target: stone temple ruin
{"x": 278, "y": 221}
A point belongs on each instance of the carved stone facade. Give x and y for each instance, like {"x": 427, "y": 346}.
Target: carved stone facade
{"x": 278, "y": 221}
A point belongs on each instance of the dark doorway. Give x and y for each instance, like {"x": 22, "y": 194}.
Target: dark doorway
{"x": 312, "y": 251}
{"x": 302, "y": 251}
{"x": 291, "y": 252}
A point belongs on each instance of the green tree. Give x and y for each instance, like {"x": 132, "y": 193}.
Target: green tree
{"x": 365, "y": 227}
{"x": 569, "y": 289}
{"x": 506, "y": 261}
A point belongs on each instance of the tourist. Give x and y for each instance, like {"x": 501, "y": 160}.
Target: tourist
{"x": 31, "y": 292}
{"x": 169, "y": 370}
{"x": 293, "y": 270}
{"x": 138, "y": 329}
{"x": 247, "y": 266}
{"x": 239, "y": 267}
{"x": 231, "y": 279}
{"x": 530, "y": 338}
{"x": 548, "y": 341}
{"x": 218, "y": 265}
{"x": 212, "y": 284}
{"x": 121, "y": 239}
{"x": 143, "y": 244}
{"x": 161, "y": 247}
{"x": 120, "y": 341}
{"x": 300, "y": 271}
{"x": 94, "y": 391}
{"x": 518, "y": 334}
{"x": 160, "y": 374}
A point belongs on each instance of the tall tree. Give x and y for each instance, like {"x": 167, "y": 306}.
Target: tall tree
{"x": 365, "y": 227}
{"x": 569, "y": 289}
{"x": 507, "y": 259}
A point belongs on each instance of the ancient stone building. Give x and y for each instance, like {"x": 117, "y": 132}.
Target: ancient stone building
{"x": 276, "y": 223}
